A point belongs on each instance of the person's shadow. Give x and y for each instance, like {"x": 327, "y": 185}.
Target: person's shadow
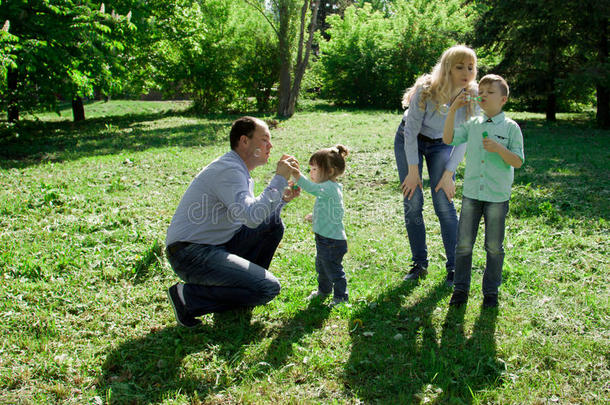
{"x": 145, "y": 370}
{"x": 303, "y": 323}
{"x": 398, "y": 357}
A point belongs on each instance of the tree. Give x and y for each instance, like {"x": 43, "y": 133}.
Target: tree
{"x": 285, "y": 19}
{"x": 372, "y": 56}
{"x": 327, "y": 9}
{"x": 62, "y": 48}
{"x": 550, "y": 51}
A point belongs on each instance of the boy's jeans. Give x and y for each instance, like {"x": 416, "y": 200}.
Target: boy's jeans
{"x": 436, "y": 156}
{"x": 329, "y": 256}
{"x": 232, "y": 275}
{"x": 494, "y": 215}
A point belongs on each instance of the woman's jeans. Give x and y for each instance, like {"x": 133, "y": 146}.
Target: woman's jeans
{"x": 331, "y": 277}
{"x": 436, "y": 156}
{"x": 232, "y": 275}
{"x": 494, "y": 215}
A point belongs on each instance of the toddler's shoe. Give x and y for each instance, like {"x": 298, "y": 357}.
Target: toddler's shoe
{"x": 317, "y": 295}
{"x": 416, "y": 272}
{"x": 458, "y": 298}
{"x": 490, "y": 300}
{"x": 183, "y": 316}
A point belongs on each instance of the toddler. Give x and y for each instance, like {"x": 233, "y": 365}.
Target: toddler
{"x": 331, "y": 242}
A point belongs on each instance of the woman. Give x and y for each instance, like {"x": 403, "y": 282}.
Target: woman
{"x": 419, "y": 138}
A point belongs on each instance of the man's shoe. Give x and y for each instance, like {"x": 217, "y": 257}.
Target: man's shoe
{"x": 183, "y": 317}
{"x": 317, "y": 295}
{"x": 416, "y": 272}
{"x": 490, "y": 300}
{"x": 458, "y": 298}
{"x": 449, "y": 279}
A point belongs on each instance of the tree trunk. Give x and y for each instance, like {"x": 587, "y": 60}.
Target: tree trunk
{"x": 78, "y": 110}
{"x": 288, "y": 100}
{"x": 603, "y": 107}
{"x": 285, "y": 60}
{"x": 13, "y": 101}
{"x": 603, "y": 92}
{"x": 551, "y": 95}
{"x": 551, "y": 106}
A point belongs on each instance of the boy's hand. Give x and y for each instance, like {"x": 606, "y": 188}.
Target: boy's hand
{"x": 492, "y": 146}
{"x": 460, "y": 101}
{"x": 309, "y": 217}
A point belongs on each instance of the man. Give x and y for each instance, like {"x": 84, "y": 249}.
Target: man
{"x": 222, "y": 238}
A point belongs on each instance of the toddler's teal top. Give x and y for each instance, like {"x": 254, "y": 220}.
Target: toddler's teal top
{"x": 328, "y": 208}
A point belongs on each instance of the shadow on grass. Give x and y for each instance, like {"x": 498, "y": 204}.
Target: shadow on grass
{"x": 293, "y": 330}
{"x": 405, "y": 361}
{"x": 41, "y": 142}
{"x": 151, "y": 369}
{"x": 564, "y": 174}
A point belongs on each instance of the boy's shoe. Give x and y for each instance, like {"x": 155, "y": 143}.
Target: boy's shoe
{"x": 337, "y": 301}
{"x": 416, "y": 272}
{"x": 490, "y": 300}
{"x": 183, "y": 317}
{"x": 449, "y": 279}
{"x": 458, "y": 298}
{"x": 317, "y": 295}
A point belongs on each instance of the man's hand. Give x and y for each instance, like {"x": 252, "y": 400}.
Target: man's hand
{"x": 309, "y": 217}
{"x": 286, "y": 165}
{"x": 291, "y": 192}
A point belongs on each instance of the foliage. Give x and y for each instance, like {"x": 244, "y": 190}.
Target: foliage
{"x": 258, "y": 63}
{"x": 85, "y": 319}
{"x": 61, "y": 49}
{"x": 547, "y": 50}
{"x": 370, "y": 59}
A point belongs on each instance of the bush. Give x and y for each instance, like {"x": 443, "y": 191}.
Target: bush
{"x": 372, "y": 58}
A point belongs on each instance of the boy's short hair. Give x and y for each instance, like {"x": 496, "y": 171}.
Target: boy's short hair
{"x": 490, "y": 79}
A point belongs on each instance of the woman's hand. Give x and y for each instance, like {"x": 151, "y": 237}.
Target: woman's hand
{"x": 446, "y": 184}
{"x": 411, "y": 182}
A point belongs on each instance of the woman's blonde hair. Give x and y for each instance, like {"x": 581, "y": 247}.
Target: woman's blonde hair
{"x": 437, "y": 85}
{"x": 330, "y": 160}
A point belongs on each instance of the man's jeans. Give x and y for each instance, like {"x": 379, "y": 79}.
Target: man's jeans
{"x": 436, "y": 156}
{"x": 494, "y": 215}
{"x": 232, "y": 275}
{"x": 329, "y": 255}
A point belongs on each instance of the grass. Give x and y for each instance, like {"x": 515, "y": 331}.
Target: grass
{"x": 83, "y": 214}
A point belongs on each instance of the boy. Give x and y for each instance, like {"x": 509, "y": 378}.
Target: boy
{"x": 494, "y": 148}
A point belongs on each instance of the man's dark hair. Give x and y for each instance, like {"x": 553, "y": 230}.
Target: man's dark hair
{"x": 242, "y": 126}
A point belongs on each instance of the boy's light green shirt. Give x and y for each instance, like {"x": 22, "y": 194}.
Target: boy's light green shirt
{"x": 488, "y": 177}
{"x": 328, "y": 208}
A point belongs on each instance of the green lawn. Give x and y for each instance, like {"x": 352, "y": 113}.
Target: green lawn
{"x": 83, "y": 214}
